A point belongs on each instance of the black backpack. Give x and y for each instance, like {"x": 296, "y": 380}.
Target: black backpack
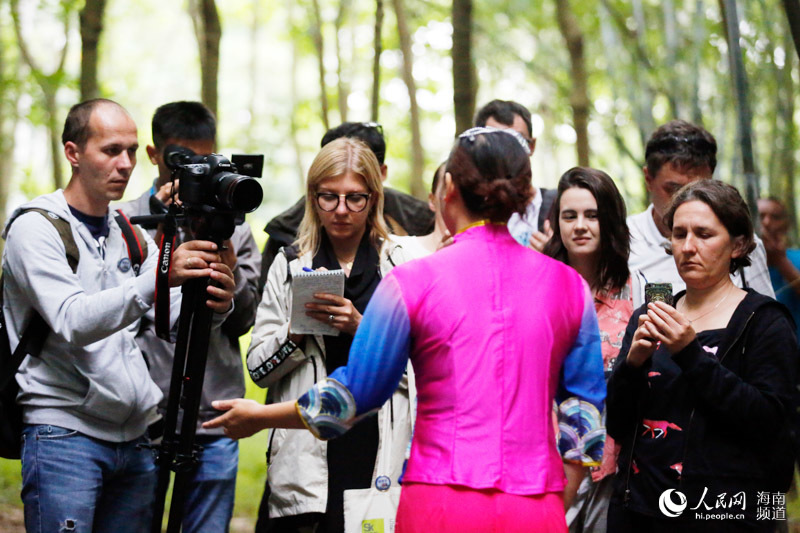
{"x": 34, "y": 335}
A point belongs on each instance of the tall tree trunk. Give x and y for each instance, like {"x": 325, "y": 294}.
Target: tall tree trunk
{"x": 670, "y": 62}
{"x": 208, "y": 31}
{"x": 744, "y": 115}
{"x": 640, "y": 90}
{"x": 49, "y": 85}
{"x": 644, "y": 109}
{"x": 783, "y": 186}
{"x": 293, "y": 128}
{"x": 56, "y": 150}
{"x": 341, "y": 86}
{"x": 376, "y": 61}
{"x": 319, "y": 48}
{"x": 611, "y": 45}
{"x": 792, "y": 9}
{"x": 255, "y": 24}
{"x": 579, "y": 95}
{"x": 418, "y": 157}
{"x": 9, "y": 93}
{"x": 91, "y": 21}
{"x": 699, "y": 38}
{"x": 465, "y": 81}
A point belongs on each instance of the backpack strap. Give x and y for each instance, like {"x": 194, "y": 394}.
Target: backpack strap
{"x": 134, "y": 240}
{"x": 65, "y": 232}
{"x": 33, "y": 336}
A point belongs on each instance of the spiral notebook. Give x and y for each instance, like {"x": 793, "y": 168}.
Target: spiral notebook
{"x": 304, "y": 286}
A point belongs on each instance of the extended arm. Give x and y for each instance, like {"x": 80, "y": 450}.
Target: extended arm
{"x": 378, "y": 357}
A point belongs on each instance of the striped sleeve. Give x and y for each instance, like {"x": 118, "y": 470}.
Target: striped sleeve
{"x": 582, "y": 392}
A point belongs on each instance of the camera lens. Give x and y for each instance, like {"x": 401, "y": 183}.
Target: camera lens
{"x": 238, "y": 193}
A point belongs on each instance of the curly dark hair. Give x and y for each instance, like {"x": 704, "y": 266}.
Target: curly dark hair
{"x": 729, "y": 207}
{"x": 492, "y": 173}
{"x": 614, "y": 236}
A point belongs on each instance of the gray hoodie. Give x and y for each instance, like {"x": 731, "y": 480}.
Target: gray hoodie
{"x": 91, "y": 376}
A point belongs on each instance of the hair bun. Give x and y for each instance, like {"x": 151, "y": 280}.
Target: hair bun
{"x": 493, "y": 174}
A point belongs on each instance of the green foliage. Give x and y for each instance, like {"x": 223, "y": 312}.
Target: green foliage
{"x": 648, "y": 61}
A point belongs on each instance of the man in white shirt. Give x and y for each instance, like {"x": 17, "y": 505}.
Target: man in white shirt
{"x": 676, "y": 154}
{"x": 528, "y": 229}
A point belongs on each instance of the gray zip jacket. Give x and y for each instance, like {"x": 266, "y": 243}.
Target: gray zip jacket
{"x": 298, "y": 461}
{"x": 224, "y": 376}
{"x": 91, "y": 376}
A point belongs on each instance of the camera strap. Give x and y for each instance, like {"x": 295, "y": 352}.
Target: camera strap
{"x": 165, "y": 249}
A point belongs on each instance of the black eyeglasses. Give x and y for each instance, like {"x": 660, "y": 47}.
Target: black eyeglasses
{"x": 355, "y": 201}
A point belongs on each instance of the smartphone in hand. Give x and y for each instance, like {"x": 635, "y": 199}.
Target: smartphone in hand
{"x": 658, "y": 292}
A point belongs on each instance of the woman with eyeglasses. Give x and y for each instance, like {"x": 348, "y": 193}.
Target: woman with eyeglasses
{"x": 343, "y": 228}
{"x": 495, "y": 332}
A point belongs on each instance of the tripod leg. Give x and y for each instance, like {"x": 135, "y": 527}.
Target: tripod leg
{"x": 192, "y": 387}
{"x": 167, "y": 449}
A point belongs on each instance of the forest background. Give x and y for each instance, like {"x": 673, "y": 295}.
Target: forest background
{"x": 598, "y": 76}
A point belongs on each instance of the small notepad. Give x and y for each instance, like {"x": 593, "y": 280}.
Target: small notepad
{"x": 304, "y": 286}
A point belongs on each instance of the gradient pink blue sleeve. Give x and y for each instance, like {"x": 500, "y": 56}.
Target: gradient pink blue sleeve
{"x": 581, "y": 394}
{"x": 378, "y": 357}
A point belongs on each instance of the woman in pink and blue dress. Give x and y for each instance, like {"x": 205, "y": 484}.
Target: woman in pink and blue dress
{"x": 495, "y": 331}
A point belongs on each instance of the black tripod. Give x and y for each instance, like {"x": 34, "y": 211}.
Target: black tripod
{"x": 177, "y": 451}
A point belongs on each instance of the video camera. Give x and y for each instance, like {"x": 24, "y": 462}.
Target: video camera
{"x": 214, "y": 197}
{"x": 211, "y": 181}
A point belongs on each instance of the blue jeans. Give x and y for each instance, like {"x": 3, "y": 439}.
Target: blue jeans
{"x": 212, "y": 489}
{"x": 72, "y": 482}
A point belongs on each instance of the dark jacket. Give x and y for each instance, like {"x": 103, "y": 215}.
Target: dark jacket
{"x": 731, "y": 412}
{"x": 404, "y": 215}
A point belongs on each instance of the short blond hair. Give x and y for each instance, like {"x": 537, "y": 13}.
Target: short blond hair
{"x": 336, "y": 159}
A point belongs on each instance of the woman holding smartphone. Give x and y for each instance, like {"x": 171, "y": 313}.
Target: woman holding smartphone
{"x": 594, "y": 241}
{"x": 701, "y": 394}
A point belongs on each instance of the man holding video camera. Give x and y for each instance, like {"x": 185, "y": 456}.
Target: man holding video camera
{"x": 87, "y": 399}
{"x": 209, "y": 503}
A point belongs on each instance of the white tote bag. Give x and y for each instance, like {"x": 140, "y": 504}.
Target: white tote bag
{"x": 374, "y": 510}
